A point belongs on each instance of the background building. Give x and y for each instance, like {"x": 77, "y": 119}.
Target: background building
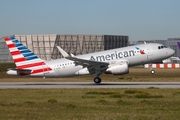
{"x": 45, "y": 45}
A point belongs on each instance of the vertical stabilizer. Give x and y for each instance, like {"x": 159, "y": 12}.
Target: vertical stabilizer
{"x": 24, "y": 58}
{"x": 178, "y": 45}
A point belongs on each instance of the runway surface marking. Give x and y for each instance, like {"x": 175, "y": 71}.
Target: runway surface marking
{"x": 5, "y": 85}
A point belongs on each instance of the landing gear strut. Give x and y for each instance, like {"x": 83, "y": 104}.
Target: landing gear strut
{"x": 151, "y": 68}
{"x": 97, "y": 80}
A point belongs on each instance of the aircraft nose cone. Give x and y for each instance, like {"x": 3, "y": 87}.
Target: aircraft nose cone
{"x": 171, "y": 52}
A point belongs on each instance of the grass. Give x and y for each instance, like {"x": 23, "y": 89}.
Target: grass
{"x": 70, "y": 104}
{"x": 4, "y": 66}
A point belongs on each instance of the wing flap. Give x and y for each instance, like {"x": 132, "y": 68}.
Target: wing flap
{"x": 84, "y": 61}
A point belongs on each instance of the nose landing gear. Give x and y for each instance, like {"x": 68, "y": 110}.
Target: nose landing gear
{"x": 151, "y": 69}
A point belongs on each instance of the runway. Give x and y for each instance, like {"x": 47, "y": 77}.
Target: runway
{"x": 35, "y": 85}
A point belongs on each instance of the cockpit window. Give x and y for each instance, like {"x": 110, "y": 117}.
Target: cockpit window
{"x": 161, "y": 47}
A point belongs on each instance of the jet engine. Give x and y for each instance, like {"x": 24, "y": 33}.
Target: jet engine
{"x": 117, "y": 69}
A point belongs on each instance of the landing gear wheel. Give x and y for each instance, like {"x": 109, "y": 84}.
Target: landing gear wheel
{"x": 97, "y": 80}
{"x": 152, "y": 71}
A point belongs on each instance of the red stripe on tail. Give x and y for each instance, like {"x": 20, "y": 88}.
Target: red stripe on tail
{"x": 7, "y": 39}
{"x": 41, "y": 70}
{"x": 11, "y": 46}
{"x": 15, "y": 53}
{"x": 19, "y": 60}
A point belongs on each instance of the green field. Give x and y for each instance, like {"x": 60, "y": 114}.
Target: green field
{"x": 90, "y": 104}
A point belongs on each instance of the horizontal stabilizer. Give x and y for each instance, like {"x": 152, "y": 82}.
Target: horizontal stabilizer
{"x": 15, "y": 69}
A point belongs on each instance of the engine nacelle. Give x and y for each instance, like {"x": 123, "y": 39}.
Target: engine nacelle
{"x": 118, "y": 69}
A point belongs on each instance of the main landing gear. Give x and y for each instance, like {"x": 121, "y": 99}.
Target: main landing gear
{"x": 97, "y": 79}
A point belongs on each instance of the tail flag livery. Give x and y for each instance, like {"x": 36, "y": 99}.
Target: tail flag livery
{"x": 27, "y": 63}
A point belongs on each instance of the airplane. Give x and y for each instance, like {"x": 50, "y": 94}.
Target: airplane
{"x": 171, "y": 59}
{"x": 115, "y": 61}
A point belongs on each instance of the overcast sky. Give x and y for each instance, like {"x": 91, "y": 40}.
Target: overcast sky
{"x": 139, "y": 19}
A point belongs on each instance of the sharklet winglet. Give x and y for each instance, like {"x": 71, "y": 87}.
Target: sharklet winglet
{"x": 64, "y": 53}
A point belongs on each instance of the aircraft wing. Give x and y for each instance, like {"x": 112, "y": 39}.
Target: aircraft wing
{"x": 95, "y": 66}
{"x": 91, "y": 65}
{"x": 175, "y": 58}
{"x": 86, "y": 63}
